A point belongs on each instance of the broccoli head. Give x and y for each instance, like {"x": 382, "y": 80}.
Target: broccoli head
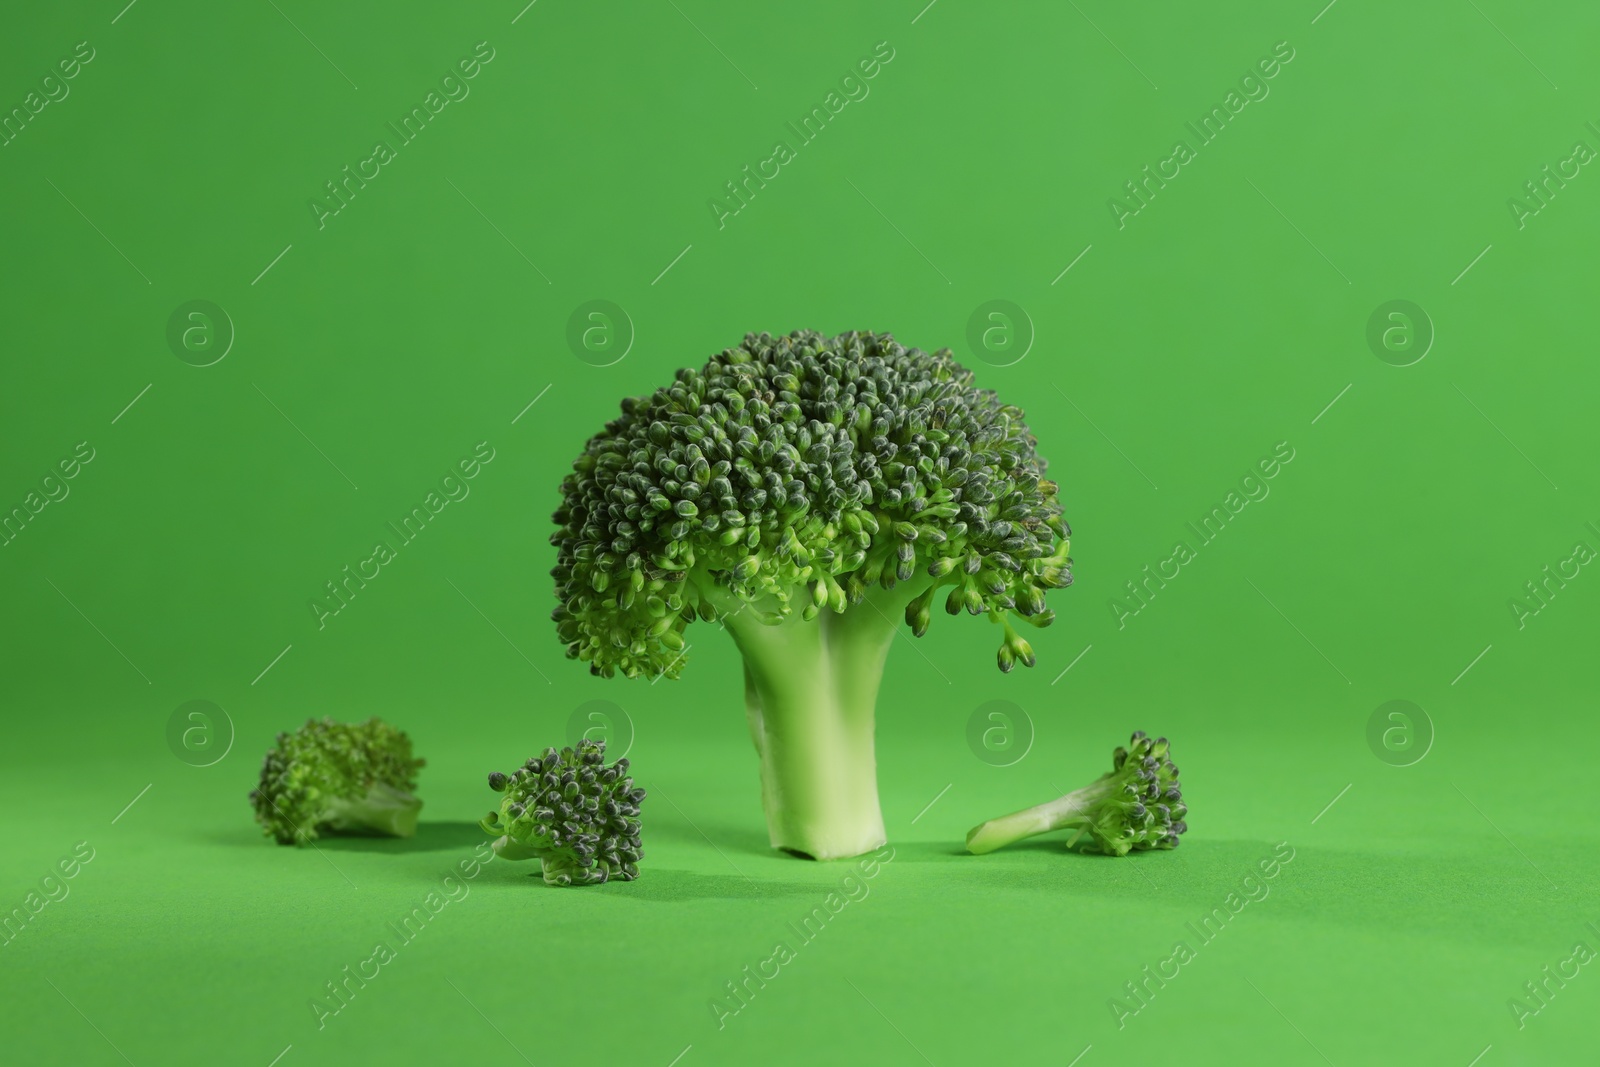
{"x": 577, "y": 816}
{"x": 1137, "y": 805}
{"x": 327, "y": 776}
{"x": 805, "y": 492}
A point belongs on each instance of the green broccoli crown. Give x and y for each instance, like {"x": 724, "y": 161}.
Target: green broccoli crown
{"x": 790, "y": 475}
{"x": 1140, "y": 803}
{"x": 337, "y": 776}
{"x": 578, "y": 816}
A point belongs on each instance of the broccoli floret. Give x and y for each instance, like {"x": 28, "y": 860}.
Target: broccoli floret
{"x": 327, "y": 776}
{"x": 577, "y": 816}
{"x": 1137, "y": 805}
{"x": 806, "y": 492}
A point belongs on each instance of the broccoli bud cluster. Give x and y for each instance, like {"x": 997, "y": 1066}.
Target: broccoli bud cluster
{"x": 579, "y": 817}
{"x": 789, "y": 475}
{"x": 1143, "y": 804}
{"x": 343, "y": 777}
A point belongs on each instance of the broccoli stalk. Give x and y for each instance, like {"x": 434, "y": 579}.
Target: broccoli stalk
{"x": 383, "y": 810}
{"x": 807, "y": 492}
{"x": 1137, "y": 805}
{"x": 810, "y": 693}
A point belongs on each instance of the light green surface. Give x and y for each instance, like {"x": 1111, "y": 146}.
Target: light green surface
{"x": 1175, "y": 354}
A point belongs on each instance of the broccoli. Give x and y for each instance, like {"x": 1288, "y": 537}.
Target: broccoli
{"x": 579, "y": 817}
{"x": 1137, "y": 805}
{"x": 340, "y": 777}
{"x": 805, "y": 492}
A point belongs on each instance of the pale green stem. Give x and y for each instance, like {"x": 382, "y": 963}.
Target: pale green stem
{"x": 1056, "y": 814}
{"x": 384, "y": 810}
{"x": 810, "y": 693}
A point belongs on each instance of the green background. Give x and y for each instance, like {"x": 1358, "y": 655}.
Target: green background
{"x": 1173, "y": 355}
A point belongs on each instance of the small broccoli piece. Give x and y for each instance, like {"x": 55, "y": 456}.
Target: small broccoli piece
{"x": 577, "y": 816}
{"x": 807, "y": 493}
{"x": 327, "y": 776}
{"x": 1137, "y": 805}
